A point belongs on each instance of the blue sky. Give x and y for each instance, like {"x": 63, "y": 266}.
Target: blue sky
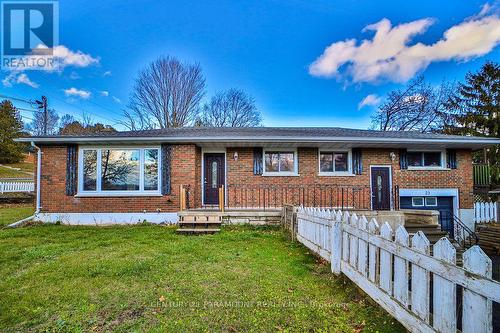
{"x": 267, "y": 48}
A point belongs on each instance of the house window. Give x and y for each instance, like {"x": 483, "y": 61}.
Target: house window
{"x": 334, "y": 162}
{"x": 417, "y": 201}
{"x": 280, "y": 162}
{"x": 425, "y": 159}
{"x": 89, "y": 170}
{"x": 119, "y": 170}
{"x": 431, "y": 201}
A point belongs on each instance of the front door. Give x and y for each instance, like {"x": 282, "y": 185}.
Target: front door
{"x": 213, "y": 177}
{"x": 381, "y": 188}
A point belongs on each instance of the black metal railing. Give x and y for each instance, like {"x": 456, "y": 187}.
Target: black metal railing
{"x": 463, "y": 235}
{"x": 275, "y": 196}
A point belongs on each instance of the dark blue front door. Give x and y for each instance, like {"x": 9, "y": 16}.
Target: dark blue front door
{"x": 442, "y": 204}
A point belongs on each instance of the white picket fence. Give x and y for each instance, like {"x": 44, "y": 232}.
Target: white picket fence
{"x": 485, "y": 212}
{"x": 396, "y": 270}
{"x": 16, "y": 186}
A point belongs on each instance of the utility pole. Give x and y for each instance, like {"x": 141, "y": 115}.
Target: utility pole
{"x": 42, "y": 105}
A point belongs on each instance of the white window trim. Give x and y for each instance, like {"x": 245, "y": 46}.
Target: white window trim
{"x": 336, "y": 173}
{"x": 413, "y": 202}
{"x": 427, "y": 205}
{"x": 100, "y": 193}
{"x": 443, "y": 160}
{"x": 295, "y": 171}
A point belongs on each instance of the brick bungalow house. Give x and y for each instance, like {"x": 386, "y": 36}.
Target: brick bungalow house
{"x": 127, "y": 177}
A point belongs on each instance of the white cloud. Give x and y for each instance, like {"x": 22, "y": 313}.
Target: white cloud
{"x": 107, "y": 73}
{"x": 77, "y": 92}
{"x": 66, "y": 57}
{"x": 117, "y": 100}
{"x": 388, "y": 56}
{"x": 370, "y": 100}
{"x": 105, "y": 93}
{"x": 18, "y": 78}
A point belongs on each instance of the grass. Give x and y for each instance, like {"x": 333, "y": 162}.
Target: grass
{"x": 146, "y": 278}
{"x": 13, "y": 213}
{"x": 26, "y": 170}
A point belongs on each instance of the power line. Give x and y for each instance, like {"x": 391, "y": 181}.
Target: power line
{"x": 115, "y": 121}
{"x": 31, "y": 102}
{"x": 17, "y": 99}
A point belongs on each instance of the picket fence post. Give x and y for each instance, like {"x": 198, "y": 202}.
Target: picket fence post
{"x": 401, "y": 268}
{"x": 386, "y": 261}
{"x": 477, "y": 309}
{"x": 373, "y": 256}
{"x": 336, "y": 252}
{"x": 420, "y": 279}
{"x": 444, "y": 291}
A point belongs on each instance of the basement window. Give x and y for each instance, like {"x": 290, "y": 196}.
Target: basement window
{"x": 417, "y": 201}
{"x": 119, "y": 171}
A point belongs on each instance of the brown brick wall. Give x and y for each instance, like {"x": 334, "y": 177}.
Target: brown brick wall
{"x": 53, "y": 190}
{"x": 186, "y": 170}
{"x": 240, "y": 173}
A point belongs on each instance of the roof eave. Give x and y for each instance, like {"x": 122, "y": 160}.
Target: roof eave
{"x": 466, "y": 142}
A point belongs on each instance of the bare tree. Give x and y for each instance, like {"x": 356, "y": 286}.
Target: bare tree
{"x": 231, "y": 108}
{"x": 418, "y": 107}
{"x": 167, "y": 93}
{"x": 36, "y": 127}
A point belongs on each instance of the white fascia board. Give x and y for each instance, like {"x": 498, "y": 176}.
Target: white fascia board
{"x": 257, "y": 140}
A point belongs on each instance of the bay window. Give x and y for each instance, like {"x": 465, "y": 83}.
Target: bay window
{"x": 119, "y": 171}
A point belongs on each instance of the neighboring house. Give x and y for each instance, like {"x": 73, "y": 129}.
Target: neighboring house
{"x": 127, "y": 177}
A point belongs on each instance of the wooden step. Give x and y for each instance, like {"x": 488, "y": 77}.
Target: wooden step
{"x": 197, "y": 231}
{"x": 199, "y": 225}
{"x": 421, "y": 225}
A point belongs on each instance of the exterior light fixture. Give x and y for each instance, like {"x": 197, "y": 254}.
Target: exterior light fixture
{"x": 392, "y": 156}
{"x": 235, "y": 156}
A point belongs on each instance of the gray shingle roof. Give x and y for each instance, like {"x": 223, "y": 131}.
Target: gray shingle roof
{"x": 269, "y": 132}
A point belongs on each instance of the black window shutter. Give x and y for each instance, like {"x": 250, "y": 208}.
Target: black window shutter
{"x": 71, "y": 170}
{"x": 403, "y": 159}
{"x": 166, "y": 158}
{"x": 357, "y": 162}
{"x": 257, "y": 161}
{"x": 451, "y": 158}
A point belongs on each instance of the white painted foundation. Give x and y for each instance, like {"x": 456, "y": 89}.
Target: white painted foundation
{"x": 106, "y": 218}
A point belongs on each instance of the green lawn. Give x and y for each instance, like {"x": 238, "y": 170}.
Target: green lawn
{"x": 26, "y": 170}
{"x": 147, "y": 278}
{"x": 14, "y": 213}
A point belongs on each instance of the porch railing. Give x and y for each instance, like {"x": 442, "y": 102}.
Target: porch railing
{"x": 276, "y": 196}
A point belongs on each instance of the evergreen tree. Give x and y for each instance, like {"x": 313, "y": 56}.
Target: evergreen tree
{"x": 10, "y": 128}
{"x": 475, "y": 107}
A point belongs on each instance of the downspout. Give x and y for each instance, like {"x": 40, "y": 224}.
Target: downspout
{"x": 38, "y": 178}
